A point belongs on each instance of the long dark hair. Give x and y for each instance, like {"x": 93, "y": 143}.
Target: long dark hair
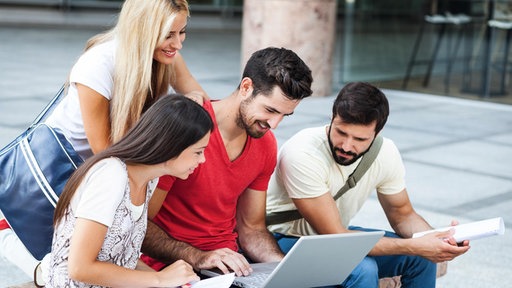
{"x": 167, "y": 128}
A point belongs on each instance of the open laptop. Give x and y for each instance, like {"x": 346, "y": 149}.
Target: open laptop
{"x": 317, "y": 260}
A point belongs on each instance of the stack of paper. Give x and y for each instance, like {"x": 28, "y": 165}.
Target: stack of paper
{"x": 223, "y": 281}
{"x": 473, "y": 230}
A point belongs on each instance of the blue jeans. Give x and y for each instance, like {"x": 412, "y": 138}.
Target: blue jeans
{"x": 416, "y": 271}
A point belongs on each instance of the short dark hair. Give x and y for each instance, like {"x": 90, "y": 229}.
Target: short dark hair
{"x": 361, "y": 103}
{"x": 282, "y": 67}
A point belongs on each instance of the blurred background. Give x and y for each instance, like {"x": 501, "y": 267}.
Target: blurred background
{"x": 447, "y": 47}
{"x": 443, "y": 65}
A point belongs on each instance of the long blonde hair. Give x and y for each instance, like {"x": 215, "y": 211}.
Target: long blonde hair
{"x": 138, "y": 79}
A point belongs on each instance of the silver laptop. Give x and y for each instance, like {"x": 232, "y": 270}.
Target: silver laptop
{"x": 313, "y": 261}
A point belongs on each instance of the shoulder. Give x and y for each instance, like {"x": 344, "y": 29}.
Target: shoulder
{"x": 95, "y": 69}
{"x": 110, "y": 164}
{"x": 388, "y": 170}
{"x": 309, "y": 137}
{"x": 309, "y": 143}
{"x": 306, "y": 154}
{"x": 389, "y": 151}
{"x": 100, "y": 51}
{"x": 111, "y": 169}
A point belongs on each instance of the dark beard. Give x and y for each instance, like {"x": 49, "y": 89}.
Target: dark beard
{"x": 242, "y": 122}
{"x": 339, "y": 159}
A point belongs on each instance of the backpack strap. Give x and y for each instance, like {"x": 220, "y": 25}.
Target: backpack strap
{"x": 367, "y": 160}
{"x": 50, "y": 106}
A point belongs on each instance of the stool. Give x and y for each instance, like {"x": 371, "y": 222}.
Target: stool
{"x": 443, "y": 21}
{"x": 507, "y": 26}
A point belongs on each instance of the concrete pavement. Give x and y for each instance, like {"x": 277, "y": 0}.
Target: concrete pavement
{"x": 457, "y": 152}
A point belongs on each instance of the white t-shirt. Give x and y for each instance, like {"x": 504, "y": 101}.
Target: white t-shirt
{"x": 94, "y": 69}
{"x": 103, "y": 197}
{"x": 306, "y": 169}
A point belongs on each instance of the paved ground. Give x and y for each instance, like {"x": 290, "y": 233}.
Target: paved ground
{"x": 457, "y": 152}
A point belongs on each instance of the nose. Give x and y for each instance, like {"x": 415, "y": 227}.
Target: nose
{"x": 347, "y": 144}
{"x": 177, "y": 43}
{"x": 274, "y": 121}
{"x": 202, "y": 159}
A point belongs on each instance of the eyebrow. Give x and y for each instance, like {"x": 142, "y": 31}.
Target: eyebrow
{"x": 342, "y": 132}
{"x": 171, "y": 32}
{"x": 274, "y": 110}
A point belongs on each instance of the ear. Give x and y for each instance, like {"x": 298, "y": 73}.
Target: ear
{"x": 246, "y": 87}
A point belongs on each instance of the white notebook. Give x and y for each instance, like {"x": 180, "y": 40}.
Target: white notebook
{"x": 473, "y": 230}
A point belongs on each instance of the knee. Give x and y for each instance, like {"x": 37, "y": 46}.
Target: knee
{"x": 368, "y": 266}
{"x": 425, "y": 265}
{"x": 364, "y": 275}
{"x": 419, "y": 267}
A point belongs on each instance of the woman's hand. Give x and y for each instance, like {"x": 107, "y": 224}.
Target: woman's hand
{"x": 177, "y": 274}
{"x": 198, "y": 96}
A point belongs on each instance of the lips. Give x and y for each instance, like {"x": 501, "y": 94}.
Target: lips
{"x": 169, "y": 53}
{"x": 344, "y": 154}
{"x": 263, "y": 126}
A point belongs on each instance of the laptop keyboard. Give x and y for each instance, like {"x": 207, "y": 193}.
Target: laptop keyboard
{"x": 253, "y": 280}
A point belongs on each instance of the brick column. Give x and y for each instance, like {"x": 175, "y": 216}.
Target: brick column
{"x": 308, "y": 27}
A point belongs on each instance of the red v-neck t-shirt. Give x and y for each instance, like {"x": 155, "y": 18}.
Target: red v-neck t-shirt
{"x": 201, "y": 210}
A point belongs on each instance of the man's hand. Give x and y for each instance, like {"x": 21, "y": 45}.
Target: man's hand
{"x": 225, "y": 259}
{"x": 439, "y": 246}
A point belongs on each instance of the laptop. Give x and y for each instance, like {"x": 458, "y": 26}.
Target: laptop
{"x": 316, "y": 260}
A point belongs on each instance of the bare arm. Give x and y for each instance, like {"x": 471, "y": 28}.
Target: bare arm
{"x": 401, "y": 215}
{"x": 185, "y": 83}
{"x": 325, "y": 220}
{"x": 95, "y": 111}
{"x": 402, "y": 218}
{"x": 161, "y": 246}
{"x": 83, "y": 266}
{"x": 157, "y": 243}
{"x": 254, "y": 238}
{"x": 405, "y": 221}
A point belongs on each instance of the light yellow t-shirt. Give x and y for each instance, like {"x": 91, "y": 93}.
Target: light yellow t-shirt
{"x": 306, "y": 169}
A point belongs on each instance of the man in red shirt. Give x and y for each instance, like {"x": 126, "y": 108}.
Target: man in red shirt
{"x": 218, "y": 213}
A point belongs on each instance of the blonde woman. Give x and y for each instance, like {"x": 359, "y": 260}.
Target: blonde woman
{"x": 121, "y": 73}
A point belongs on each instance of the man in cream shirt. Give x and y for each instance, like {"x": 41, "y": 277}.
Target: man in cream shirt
{"x": 316, "y": 162}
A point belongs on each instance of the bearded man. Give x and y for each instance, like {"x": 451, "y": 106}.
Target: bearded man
{"x": 316, "y": 162}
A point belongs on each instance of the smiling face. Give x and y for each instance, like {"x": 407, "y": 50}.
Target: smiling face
{"x": 260, "y": 113}
{"x": 348, "y": 142}
{"x": 166, "y": 51}
{"x": 188, "y": 160}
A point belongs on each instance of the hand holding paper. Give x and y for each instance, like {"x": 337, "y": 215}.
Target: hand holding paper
{"x": 473, "y": 230}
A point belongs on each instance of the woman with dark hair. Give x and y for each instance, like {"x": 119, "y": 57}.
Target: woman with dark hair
{"x": 121, "y": 73}
{"x": 101, "y": 217}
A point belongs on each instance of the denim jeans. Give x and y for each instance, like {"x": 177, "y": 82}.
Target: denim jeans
{"x": 416, "y": 271}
